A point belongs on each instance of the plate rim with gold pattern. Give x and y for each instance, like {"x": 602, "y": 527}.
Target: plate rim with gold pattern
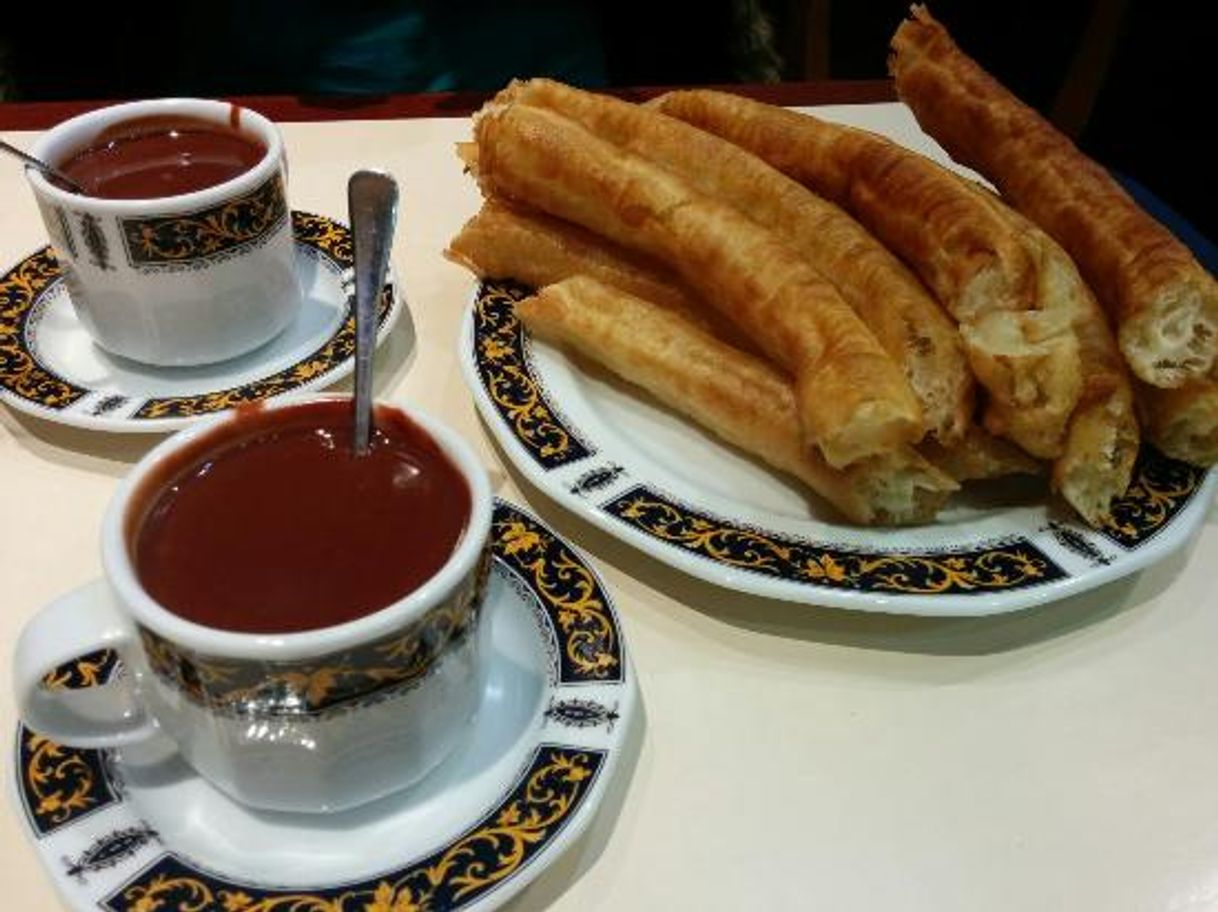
{"x": 110, "y": 841}
{"x": 31, "y": 385}
{"x": 538, "y": 405}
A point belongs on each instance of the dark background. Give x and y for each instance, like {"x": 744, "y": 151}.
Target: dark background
{"x": 1130, "y": 79}
{"x": 1154, "y": 104}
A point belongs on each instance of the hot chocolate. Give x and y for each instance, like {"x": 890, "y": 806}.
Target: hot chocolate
{"x": 162, "y": 155}
{"x": 271, "y": 524}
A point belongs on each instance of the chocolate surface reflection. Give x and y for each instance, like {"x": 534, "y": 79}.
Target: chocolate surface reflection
{"x": 162, "y": 155}
{"x": 270, "y": 524}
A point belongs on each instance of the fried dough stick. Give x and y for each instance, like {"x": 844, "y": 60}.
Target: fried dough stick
{"x": 983, "y": 270}
{"x": 852, "y": 399}
{"x": 504, "y": 241}
{"x": 1103, "y": 437}
{"x": 979, "y": 455}
{"x": 906, "y": 320}
{"x": 740, "y": 398}
{"x": 1182, "y": 422}
{"x": 1163, "y": 302}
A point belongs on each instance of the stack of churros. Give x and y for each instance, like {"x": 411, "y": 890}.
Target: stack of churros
{"x": 1160, "y": 300}
{"x": 844, "y": 310}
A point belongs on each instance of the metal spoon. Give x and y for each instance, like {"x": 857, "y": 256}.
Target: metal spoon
{"x": 372, "y": 204}
{"x": 54, "y": 175}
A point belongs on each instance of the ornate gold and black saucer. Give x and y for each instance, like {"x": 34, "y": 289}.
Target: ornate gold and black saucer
{"x": 51, "y": 368}
{"x": 137, "y": 831}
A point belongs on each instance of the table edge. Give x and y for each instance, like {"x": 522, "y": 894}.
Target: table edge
{"x": 37, "y": 115}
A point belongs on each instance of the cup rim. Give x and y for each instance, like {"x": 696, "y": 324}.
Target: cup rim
{"x": 213, "y": 641}
{"x": 96, "y": 120}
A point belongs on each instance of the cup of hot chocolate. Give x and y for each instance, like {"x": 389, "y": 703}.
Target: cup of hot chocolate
{"x": 304, "y": 623}
{"x": 180, "y": 251}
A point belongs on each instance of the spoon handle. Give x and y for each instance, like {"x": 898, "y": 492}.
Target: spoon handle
{"x": 53, "y": 175}
{"x": 372, "y": 202}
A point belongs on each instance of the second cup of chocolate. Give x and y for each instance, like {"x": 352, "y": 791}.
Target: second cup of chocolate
{"x": 180, "y": 251}
{"x": 305, "y": 624}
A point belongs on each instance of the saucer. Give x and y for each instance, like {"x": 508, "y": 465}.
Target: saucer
{"x": 50, "y": 367}
{"x": 137, "y": 830}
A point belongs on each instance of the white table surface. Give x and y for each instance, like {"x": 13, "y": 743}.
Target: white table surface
{"x": 1065, "y": 757}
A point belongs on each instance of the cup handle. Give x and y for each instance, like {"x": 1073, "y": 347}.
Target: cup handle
{"x": 82, "y": 621}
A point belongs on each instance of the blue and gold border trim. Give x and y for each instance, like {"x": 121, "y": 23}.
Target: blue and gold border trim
{"x": 60, "y": 785}
{"x": 499, "y": 354}
{"x": 556, "y": 782}
{"x": 562, "y": 584}
{"x": 1013, "y": 564}
{"x": 590, "y": 645}
{"x": 329, "y": 683}
{"x": 21, "y": 373}
{"x": 1161, "y": 488}
{"x": 195, "y": 240}
{"x": 88, "y": 671}
{"x": 331, "y": 240}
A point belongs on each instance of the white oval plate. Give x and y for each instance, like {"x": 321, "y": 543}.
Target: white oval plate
{"x": 134, "y": 831}
{"x": 50, "y": 367}
{"x": 654, "y": 480}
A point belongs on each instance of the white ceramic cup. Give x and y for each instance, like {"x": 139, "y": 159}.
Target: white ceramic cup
{"x": 265, "y": 717}
{"x": 180, "y": 280}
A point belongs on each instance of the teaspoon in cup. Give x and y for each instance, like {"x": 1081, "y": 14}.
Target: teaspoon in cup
{"x": 372, "y": 204}
{"x": 54, "y": 175}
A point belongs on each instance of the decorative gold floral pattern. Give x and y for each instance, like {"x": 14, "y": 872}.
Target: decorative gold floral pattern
{"x": 21, "y": 373}
{"x": 331, "y": 240}
{"x": 503, "y": 368}
{"x": 262, "y": 689}
{"x": 208, "y": 234}
{"x": 566, "y": 589}
{"x": 568, "y": 592}
{"x": 1160, "y": 489}
{"x": 59, "y": 779}
{"x": 553, "y": 787}
{"x": 59, "y": 785}
{"x": 1010, "y": 565}
{"x": 87, "y": 671}
{"x": 325, "y": 236}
